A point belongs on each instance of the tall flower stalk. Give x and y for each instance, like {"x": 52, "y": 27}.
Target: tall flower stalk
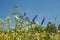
{"x": 34, "y": 18}
{"x": 24, "y": 14}
{"x": 43, "y": 21}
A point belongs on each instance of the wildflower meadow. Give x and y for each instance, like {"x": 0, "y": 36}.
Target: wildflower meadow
{"x": 23, "y": 28}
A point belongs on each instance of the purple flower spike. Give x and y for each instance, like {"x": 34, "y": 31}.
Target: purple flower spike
{"x": 43, "y": 21}
{"x": 34, "y": 18}
{"x": 27, "y": 19}
{"x": 24, "y": 13}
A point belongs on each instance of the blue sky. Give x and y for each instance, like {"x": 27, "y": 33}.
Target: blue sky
{"x": 48, "y": 8}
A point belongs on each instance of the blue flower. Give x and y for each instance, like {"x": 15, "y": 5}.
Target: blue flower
{"x": 43, "y": 21}
{"x": 33, "y": 20}
{"x": 24, "y": 13}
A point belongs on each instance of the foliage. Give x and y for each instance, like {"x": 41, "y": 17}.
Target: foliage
{"x": 25, "y": 29}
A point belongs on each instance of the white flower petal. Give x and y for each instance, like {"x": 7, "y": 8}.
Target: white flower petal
{"x": 16, "y": 17}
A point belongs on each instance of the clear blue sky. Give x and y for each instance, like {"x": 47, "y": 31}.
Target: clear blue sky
{"x": 48, "y": 8}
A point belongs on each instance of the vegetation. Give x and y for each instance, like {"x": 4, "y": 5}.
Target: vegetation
{"x": 25, "y": 29}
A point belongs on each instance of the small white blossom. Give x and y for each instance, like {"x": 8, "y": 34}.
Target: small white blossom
{"x": 58, "y": 31}
{"x": 16, "y": 17}
{"x": 33, "y": 25}
{"x": 37, "y": 23}
{"x": 50, "y": 21}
